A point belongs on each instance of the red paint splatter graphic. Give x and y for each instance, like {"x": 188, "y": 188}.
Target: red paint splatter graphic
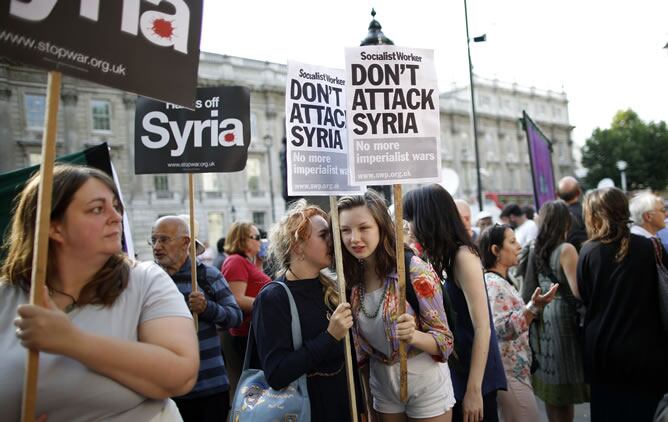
{"x": 163, "y": 28}
{"x": 229, "y": 137}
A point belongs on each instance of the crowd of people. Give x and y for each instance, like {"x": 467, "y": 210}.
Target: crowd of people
{"x": 562, "y": 305}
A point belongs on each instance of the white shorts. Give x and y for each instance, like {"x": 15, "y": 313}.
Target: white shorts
{"x": 429, "y": 388}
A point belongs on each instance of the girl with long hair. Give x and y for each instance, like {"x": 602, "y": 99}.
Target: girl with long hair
{"x": 499, "y": 250}
{"x": 625, "y": 347}
{"x": 477, "y": 372}
{"x": 301, "y": 249}
{"x": 370, "y": 268}
{"x": 116, "y": 337}
{"x": 559, "y": 378}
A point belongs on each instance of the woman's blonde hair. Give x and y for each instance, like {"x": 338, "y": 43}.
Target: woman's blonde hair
{"x": 293, "y": 228}
{"x": 237, "y": 237}
{"x": 109, "y": 281}
{"x": 606, "y": 215}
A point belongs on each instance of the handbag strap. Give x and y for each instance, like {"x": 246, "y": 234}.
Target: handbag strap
{"x": 295, "y": 326}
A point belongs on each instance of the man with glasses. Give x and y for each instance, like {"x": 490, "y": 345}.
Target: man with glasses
{"x": 648, "y": 214}
{"x": 214, "y": 304}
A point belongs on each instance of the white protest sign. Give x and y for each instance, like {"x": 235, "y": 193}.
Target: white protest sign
{"x": 317, "y": 147}
{"x": 393, "y": 115}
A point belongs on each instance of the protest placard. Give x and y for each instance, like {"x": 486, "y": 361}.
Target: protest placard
{"x": 393, "y": 115}
{"x": 147, "y": 47}
{"x": 214, "y": 138}
{"x": 317, "y": 145}
{"x": 317, "y": 155}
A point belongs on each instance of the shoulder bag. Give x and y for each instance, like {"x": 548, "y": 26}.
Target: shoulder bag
{"x": 255, "y": 401}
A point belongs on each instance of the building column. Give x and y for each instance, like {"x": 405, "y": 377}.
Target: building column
{"x": 69, "y": 98}
{"x": 7, "y": 143}
{"x": 136, "y": 188}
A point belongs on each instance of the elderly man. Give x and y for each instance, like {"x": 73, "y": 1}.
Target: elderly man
{"x": 569, "y": 191}
{"x": 465, "y": 215}
{"x": 214, "y": 304}
{"x": 647, "y": 213}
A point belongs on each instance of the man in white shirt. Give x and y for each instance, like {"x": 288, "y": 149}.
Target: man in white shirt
{"x": 647, "y": 213}
{"x": 525, "y": 230}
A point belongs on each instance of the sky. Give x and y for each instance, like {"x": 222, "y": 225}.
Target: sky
{"x": 606, "y": 55}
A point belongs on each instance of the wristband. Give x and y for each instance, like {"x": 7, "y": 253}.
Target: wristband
{"x": 533, "y": 308}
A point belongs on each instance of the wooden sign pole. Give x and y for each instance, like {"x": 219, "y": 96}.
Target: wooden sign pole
{"x": 41, "y": 242}
{"x": 336, "y": 234}
{"x": 193, "y": 246}
{"x": 401, "y": 272}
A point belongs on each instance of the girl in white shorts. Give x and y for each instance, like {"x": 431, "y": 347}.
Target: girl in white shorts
{"x": 367, "y": 233}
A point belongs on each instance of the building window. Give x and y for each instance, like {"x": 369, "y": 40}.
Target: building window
{"x": 34, "y": 159}
{"x": 211, "y": 185}
{"x": 161, "y": 184}
{"x": 35, "y": 108}
{"x": 253, "y": 176}
{"x": 216, "y": 229}
{"x": 101, "y": 111}
{"x": 258, "y": 218}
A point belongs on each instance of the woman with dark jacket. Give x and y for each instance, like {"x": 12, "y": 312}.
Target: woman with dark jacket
{"x": 626, "y": 348}
{"x": 301, "y": 247}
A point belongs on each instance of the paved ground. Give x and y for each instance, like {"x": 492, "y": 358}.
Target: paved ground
{"x": 582, "y": 413}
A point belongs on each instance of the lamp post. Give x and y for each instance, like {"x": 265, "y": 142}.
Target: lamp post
{"x": 621, "y": 166}
{"x": 473, "y": 114}
{"x": 269, "y": 142}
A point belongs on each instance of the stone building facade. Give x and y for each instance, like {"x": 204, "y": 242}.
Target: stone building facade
{"x": 91, "y": 114}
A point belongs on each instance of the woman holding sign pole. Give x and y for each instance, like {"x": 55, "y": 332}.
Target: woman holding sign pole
{"x": 370, "y": 266}
{"x": 301, "y": 247}
{"x": 477, "y": 372}
{"x": 116, "y": 338}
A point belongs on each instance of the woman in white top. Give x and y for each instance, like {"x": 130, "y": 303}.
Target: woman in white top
{"x": 115, "y": 337}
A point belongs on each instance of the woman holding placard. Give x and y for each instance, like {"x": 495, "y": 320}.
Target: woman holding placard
{"x": 116, "y": 338}
{"x": 301, "y": 248}
{"x": 367, "y": 232}
{"x": 477, "y": 372}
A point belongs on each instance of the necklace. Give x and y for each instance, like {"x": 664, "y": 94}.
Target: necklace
{"x": 380, "y": 303}
{"x": 69, "y": 308}
{"x": 293, "y": 273}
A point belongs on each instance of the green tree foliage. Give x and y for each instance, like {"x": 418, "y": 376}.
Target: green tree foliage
{"x": 644, "y": 146}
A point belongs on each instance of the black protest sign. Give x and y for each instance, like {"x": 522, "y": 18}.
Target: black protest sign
{"x": 212, "y": 139}
{"x": 150, "y": 47}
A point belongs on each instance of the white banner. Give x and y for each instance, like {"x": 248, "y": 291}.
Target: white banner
{"x": 393, "y": 115}
{"x": 317, "y": 146}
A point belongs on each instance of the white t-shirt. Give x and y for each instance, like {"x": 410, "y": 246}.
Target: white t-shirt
{"x": 526, "y": 232}
{"x": 67, "y": 390}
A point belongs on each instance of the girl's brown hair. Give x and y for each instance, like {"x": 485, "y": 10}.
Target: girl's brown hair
{"x": 109, "y": 281}
{"x": 293, "y": 228}
{"x": 385, "y": 252}
{"x": 606, "y": 215}
{"x": 555, "y": 221}
{"x": 237, "y": 238}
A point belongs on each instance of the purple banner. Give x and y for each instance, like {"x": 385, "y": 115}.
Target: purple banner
{"x": 540, "y": 152}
